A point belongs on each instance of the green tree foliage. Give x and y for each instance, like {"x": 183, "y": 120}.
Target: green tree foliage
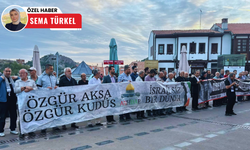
{"x": 14, "y": 66}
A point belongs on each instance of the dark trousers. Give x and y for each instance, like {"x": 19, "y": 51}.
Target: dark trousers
{"x": 240, "y": 98}
{"x": 126, "y": 116}
{"x": 3, "y": 110}
{"x": 12, "y": 110}
{"x": 110, "y": 118}
{"x": 8, "y": 107}
{"x": 230, "y": 103}
{"x": 195, "y": 101}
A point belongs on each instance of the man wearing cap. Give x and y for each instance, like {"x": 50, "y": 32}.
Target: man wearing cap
{"x": 33, "y": 75}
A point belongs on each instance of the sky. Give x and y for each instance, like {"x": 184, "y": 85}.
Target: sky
{"x": 128, "y": 21}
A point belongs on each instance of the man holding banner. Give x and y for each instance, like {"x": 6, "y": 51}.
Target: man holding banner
{"x": 95, "y": 80}
{"x": 110, "y": 79}
{"x": 47, "y": 81}
{"x": 125, "y": 77}
{"x": 67, "y": 80}
{"x": 230, "y": 83}
{"x": 195, "y": 90}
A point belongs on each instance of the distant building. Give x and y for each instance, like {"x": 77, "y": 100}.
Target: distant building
{"x": 238, "y": 38}
{"x": 203, "y": 46}
{"x": 20, "y": 61}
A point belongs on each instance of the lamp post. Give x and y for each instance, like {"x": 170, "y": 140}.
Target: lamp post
{"x": 57, "y": 57}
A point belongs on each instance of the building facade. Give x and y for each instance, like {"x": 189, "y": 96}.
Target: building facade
{"x": 203, "y": 46}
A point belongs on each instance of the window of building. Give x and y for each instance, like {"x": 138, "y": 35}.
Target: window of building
{"x": 161, "y": 49}
{"x": 201, "y": 48}
{"x": 170, "y": 49}
{"x": 242, "y": 45}
{"x": 192, "y": 49}
{"x": 170, "y": 70}
{"x": 162, "y": 69}
{"x": 185, "y": 44}
{"x": 214, "y": 48}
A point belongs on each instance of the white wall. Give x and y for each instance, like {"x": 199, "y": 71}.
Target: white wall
{"x": 196, "y": 40}
{"x": 165, "y": 41}
{"x": 214, "y": 40}
{"x": 150, "y": 43}
{"x": 165, "y": 65}
{"x": 226, "y": 43}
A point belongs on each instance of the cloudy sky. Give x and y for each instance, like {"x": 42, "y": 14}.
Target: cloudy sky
{"x": 128, "y": 21}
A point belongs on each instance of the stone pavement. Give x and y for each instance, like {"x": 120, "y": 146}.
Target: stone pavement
{"x": 207, "y": 129}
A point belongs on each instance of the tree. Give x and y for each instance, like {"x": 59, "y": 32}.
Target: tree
{"x": 15, "y": 67}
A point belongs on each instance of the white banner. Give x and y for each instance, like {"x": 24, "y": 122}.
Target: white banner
{"x": 43, "y": 109}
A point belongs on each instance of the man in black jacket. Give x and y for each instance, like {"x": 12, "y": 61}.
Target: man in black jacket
{"x": 230, "y": 83}
{"x": 67, "y": 80}
{"x": 110, "y": 79}
{"x": 83, "y": 81}
{"x": 195, "y": 89}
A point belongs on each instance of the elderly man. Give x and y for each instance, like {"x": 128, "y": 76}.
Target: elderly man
{"x": 217, "y": 75}
{"x": 24, "y": 85}
{"x": 134, "y": 74}
{"x": 33, "y": 75}
{"x": 186, "y": 76}
{"x": 47, "y": 81}
{"x": 95, "y": 80}
{"x": 111, "y": 78}
{"x": 83, "y": 80}
{"x": 125, "y": 77}
{"x": 195, "y": 89}
{"x": 141, "y": 76}
{"x": 160, "y": 77}
{"x": 170, "y": 79}
{"x": 8, "y": 101}
{"x": 217, "y": 103}
{"x": 180, "y": 78}
{"x": 67, "y": 80}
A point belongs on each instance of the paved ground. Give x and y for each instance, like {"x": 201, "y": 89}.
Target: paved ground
{"x": 201, "y": 130}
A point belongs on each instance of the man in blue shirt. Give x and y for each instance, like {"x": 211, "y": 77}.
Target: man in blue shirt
{"x": 8, "y": 101}
{"x": 134, "y": 74}
{"x": 47, "y": 81}
{"x": 125, "y": 77}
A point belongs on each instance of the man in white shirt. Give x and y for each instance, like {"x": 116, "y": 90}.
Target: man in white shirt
{"x": 95, "y": 80}
{"x": 24, "y": 84}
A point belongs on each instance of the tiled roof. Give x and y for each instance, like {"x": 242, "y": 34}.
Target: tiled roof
{"x": 237, "y": 28}
{"x": 161, "y": 32}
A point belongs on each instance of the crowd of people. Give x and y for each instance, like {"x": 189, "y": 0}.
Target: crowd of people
{"x": 11, "y": 86}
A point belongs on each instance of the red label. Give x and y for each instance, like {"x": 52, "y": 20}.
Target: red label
{"x": 54, "y": 21}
